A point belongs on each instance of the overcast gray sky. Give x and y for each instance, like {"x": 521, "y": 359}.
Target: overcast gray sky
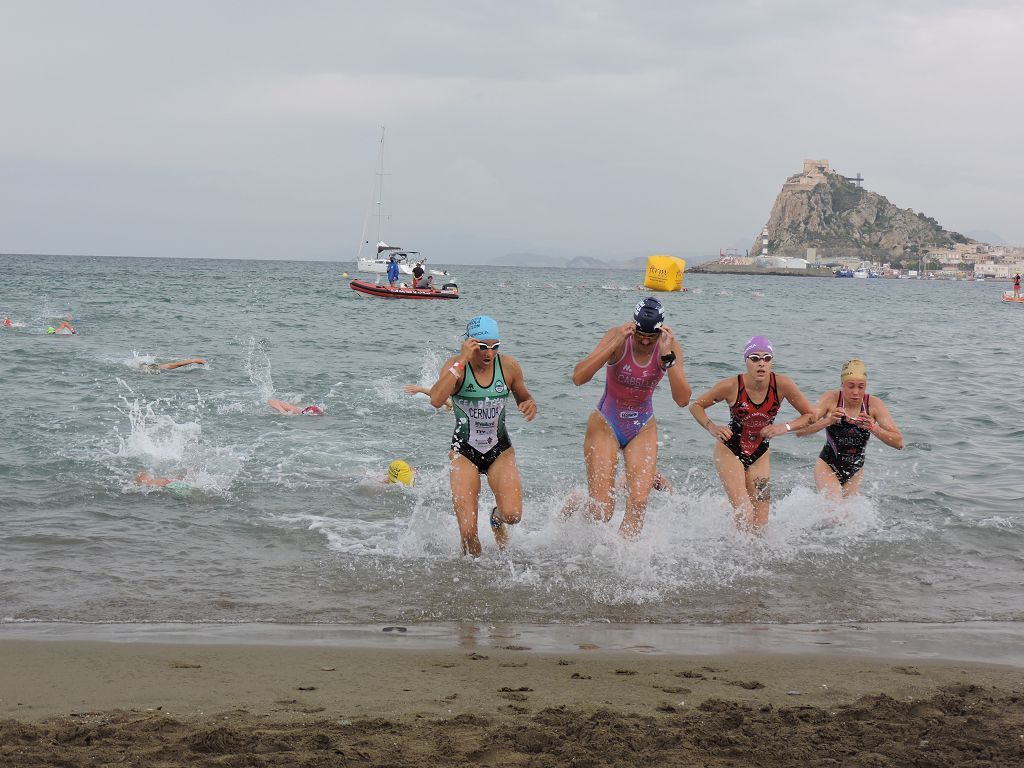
{"x": 249, "y": 129}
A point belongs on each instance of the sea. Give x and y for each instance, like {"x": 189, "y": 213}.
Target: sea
{"x": 288, "y": 520}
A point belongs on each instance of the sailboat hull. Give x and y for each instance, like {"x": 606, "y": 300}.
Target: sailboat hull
{"x": 380, "y": 266}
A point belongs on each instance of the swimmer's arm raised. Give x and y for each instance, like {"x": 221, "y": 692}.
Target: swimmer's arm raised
{"x": 610, "y": 346}
{"x": 452, "y": 374}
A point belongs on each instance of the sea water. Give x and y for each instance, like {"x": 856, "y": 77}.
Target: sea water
{"x": 289, "y": 520}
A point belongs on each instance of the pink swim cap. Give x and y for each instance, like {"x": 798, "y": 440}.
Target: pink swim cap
{"x": 758, "y": 345}
{"x": 312, "y": 410}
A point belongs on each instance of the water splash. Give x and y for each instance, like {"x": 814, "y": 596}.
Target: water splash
{"x": 257, "y": 367}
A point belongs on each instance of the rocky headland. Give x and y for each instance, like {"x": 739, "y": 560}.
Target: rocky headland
{"x": 821, "y": 209}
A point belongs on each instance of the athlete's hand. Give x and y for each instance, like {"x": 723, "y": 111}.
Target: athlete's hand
{"x": 774, "y": 430}
{"x": 721, "y": 433}
{"x": 528, "y": 408}
{"x": 469, "y": 346}
{"x": 835, "y": 415}
{"x": 865, "y": 422}
{"x": 669, "y": 343}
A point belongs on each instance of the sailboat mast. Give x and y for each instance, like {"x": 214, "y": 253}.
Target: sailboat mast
{"x": 380, "y": 185}
{"x": 375, "y": 194}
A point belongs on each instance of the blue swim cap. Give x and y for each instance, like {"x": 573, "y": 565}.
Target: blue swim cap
{"x": 649, "y": 315}
{"x": 482, "y": 327}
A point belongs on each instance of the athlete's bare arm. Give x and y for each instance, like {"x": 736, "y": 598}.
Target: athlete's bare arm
{"x": 609, "y": 348}
{"x": 726, "y": 390}
{"x": 789, "y": 391}
{"x": 179, "y": 363}
{"x": 416, "y": 389}
{"x": 452, "y": 374}
{"x": 885, "y": 428}
{"x": 825, "y": 413}
{"x": 680, "y": 387}
{"x": 517, "y": 385}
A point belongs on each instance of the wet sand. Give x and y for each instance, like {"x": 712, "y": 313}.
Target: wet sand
{"x": 86, "y": 703}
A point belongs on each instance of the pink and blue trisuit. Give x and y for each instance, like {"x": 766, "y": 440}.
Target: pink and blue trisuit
{"x": 628, "y": 388}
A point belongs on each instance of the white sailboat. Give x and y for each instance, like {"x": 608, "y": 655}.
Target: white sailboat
{"x": 378, "y": 262}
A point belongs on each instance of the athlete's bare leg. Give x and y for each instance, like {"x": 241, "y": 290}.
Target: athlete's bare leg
{"x": 465, "y": 480}
{"x": 641, "y": 458}
{"x": 760, "y": 491}
{"x": 503, "y": 477}
{"x": 601, "y": 454}
{"x": 827, "y": 482}
{"x": 734, "y": 481}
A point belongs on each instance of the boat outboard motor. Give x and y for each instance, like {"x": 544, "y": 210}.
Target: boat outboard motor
{"x": 450, "y": 287}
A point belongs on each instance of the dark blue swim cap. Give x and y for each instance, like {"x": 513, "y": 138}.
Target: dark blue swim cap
{"x": 649, "y": 315}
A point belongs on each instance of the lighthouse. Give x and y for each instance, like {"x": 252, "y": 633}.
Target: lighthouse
{"x": 764, "y": 241}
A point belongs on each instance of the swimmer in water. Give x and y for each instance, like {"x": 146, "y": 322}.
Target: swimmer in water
{"x": 172, "y": 484}
{"x": 635, "y": 357}
{"x": 157, "y": 367}
{"x": 741, "y": 450}
{"x": 400, "y": 472}
{"x": 63, "y": 328}
{"x": 295, "y": 410}
{"x": 849, "y": 416}
{"x": 416, "y": 389}
{"x": 479, "y": 381}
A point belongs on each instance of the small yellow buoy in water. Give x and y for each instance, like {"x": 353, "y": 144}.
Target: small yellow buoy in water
{"x": 344, "y": 274}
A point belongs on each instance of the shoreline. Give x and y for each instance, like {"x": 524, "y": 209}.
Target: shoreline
{"x": 493, "y": 699}
{"x": 990, "y": 642}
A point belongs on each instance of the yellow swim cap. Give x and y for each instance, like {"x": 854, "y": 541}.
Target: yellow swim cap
{"x": 399, "y": 472}
{"x": 854, "y": 369}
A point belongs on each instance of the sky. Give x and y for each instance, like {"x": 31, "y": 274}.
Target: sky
{"x": 250, "y": 129}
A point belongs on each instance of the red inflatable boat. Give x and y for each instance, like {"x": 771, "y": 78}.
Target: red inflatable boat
{"x": 447, "y": 291}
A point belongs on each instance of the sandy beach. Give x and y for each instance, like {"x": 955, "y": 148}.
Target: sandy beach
{"x": 87, "y": 703}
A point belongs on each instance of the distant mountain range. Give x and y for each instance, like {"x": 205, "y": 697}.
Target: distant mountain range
{"x": 577, "y": 262}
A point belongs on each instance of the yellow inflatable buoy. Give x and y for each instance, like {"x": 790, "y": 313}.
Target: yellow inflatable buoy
{"x": 664, "y": 273}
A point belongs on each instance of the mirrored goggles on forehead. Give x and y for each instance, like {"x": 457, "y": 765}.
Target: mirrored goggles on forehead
{"x": 759, "y": 358}
{"x": 495, "y": 345}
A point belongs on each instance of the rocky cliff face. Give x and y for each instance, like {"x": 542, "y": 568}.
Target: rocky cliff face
{"x": 821, "y": 209}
